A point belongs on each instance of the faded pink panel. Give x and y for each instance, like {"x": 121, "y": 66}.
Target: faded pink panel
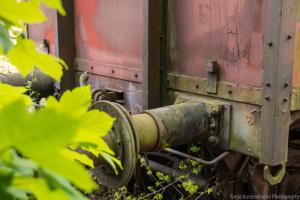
{"x": 229, "y": 31}
{"x": 110, "y": 31}
{"x": 46, "y": 30}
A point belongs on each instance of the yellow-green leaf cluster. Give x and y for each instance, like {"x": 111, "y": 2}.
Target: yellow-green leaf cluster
{"x": 25, "y": 57}
{"x": 10, "y": 93}
{"x": 42, "y": 135}
{"x": 24, "y": 54}
{"x": 37, "y": 148}
{"x": 93, "y": 124}
{"x": 14, "y": 12}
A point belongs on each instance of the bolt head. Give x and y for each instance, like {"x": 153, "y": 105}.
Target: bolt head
{"x": 213, "y": 140}
{"x": 270, "y": 44}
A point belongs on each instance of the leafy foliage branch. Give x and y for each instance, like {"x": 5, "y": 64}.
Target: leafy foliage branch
{"x": 37, "y": 149}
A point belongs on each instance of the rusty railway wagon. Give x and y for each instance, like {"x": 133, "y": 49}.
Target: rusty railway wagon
{"x": 221, "y": 74}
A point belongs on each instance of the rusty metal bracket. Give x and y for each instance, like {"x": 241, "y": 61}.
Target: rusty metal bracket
{"x": 212, "y": 68}
{"x": 133, "y": 74}
{"x": 44, "y": 46}
{"x": 83, "y": 79}
{"x": 223, "y": 118}
{"x": 226, "y": 90}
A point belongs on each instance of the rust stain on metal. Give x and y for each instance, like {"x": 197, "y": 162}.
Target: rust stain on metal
{"x": 227, "y": 31}
{"x": 110, "y": 70}
{"x": 110, "y": 31}
{"x": 226, "y": 90}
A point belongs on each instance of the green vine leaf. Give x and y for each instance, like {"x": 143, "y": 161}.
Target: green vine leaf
{"x": 25, "y": 57}
{"x": 39, "y": 187}
{"x": 5, "y": 43}
{"x": 47, "y": 126}
{"x": 10, "y": 93}
{"x": 16, "y": 13}
{"x": 84, "y": 159}
{"x": 55, "y": 4}
{"x": 57, "y": 182}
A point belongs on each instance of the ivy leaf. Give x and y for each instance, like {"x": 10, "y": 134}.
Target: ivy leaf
{"x": 18, "y": 194}
{"x": 93, "y": 124}
{"x": 96, "y": 123}
{"x": 210, "y": 190}
{"x": 111, "y": 161}
{"x": 84, "y": 159}
{"x": 5, "y": 43}
{"x": 58, "y": 182}
{"x": 92, "y": 127}
{"x": 31, "y": 134}
{"x": 55, "y": 4}
{"x": 25, "y": 57}
{"x": 15, "y": 12}
{"x": 10, "y": 93}
{"x": 18, "y": 164}
{"x": 39, "y": 187}
{"x": 91, "y": 143}
{"x": 75, "y": 101}
{"x": 5, "y": 180}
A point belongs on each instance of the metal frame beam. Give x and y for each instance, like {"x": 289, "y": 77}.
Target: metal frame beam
{"x": 65, "y": 43}
{"x": 280, "y": 23}
{"x": 151, "y": 54}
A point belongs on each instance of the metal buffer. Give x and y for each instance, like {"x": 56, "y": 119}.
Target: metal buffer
{"x": 155, "y": 129}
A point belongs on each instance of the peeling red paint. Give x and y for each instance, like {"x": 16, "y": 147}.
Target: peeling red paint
{"x": 39, "y": 32}
{"x": 110, "y": 32}
{"x": 229, "y": 31}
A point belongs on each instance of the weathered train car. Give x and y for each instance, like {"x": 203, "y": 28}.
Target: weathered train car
{"x": 224, "y": 73}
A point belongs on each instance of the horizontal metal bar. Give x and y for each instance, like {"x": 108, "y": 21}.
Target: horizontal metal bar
{"x": 199, "y": 160}
{"x": 109, "y": 70}
{"x": 226, "y": 90}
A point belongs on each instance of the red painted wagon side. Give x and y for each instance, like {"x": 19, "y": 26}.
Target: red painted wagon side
{"x": 110, "y": 46}
{"x": 44, "y": 34}
{"x": 243, "y": 53}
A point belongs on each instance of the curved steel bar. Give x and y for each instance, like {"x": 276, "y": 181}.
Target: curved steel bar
{"x": 199, "y": 160}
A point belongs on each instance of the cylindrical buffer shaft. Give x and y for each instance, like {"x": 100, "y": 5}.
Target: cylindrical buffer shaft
{"x": 174, "y": 125}
{"x": 147, "y": 131}
{"x": 152, "y": 130}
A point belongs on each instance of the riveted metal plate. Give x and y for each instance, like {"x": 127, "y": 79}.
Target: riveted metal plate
{"x": 278, "y": 62}
{"x": 228, "y": 91}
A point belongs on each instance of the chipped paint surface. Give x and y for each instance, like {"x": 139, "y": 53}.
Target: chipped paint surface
{"x": 244, "y": 125}
{"x": 110, "y": 31}
{"x": 229, "y": 31}
{"x": 46, "y": 30}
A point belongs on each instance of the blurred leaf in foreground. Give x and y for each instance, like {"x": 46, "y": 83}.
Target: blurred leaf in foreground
{"x": 25, "y": 57}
